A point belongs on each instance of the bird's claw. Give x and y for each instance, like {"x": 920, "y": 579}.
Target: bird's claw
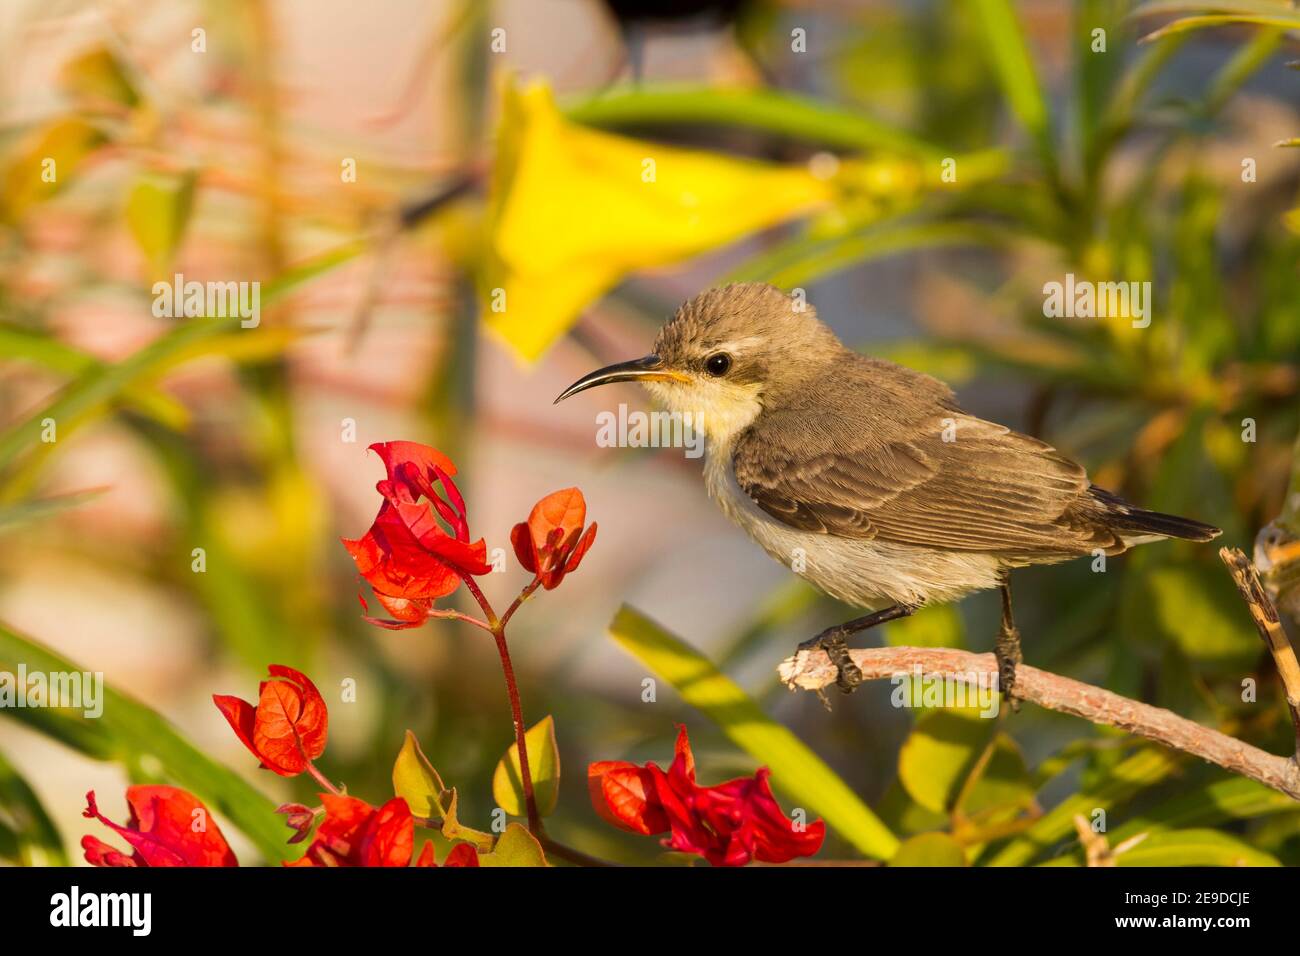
{"x": 1007, "y": 651}
{"x": 848, "y": 674}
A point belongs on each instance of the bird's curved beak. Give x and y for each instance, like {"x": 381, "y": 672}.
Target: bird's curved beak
{"x": 638, "y": 370}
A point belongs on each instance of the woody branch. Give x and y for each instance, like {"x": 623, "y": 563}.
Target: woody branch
{"x": 813, "y": 670}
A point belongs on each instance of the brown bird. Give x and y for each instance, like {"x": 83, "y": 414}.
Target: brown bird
{"x": 867, "y": 477}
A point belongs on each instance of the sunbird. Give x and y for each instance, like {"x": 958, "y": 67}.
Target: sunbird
{"x": 871, "y": 474}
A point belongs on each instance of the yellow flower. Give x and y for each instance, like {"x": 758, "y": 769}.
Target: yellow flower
{"x": 573, "y": 210}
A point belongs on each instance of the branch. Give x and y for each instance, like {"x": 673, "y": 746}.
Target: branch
{"x": 1270, "y": 629}
{"x": 813, "y": 670}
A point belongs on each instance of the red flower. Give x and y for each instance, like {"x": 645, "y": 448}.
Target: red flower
{"x": 354, "y": 833}
{"x": 168, "y": 827}
{"x": 288, "y": 728}
{"x": 728, "y": 824}
{"x": 298, "y": 818}
{"x": 462, "y": 854}
{"x": 551, "y": 543}
{"x": 407, "y": 557}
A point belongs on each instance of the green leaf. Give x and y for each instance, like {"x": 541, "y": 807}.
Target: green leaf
{"x": 543, "y": 767}
{"x": 138, "y": 738}
{"x": 1234, "y": 798}
{"x": 36, "y": 841}
{"x": 1144, "y": 769}
{"x": 418, "y": 783}
{"x": 98, "y": 75}
{"x": 795, "y": 768}
{"x": 157, "y": 212}
{"x": 1197, "y": 609}
{"x": 930, "y": 849}
{"x": 47, "y": 165}
{"x": 1286, "y": 21}
{"x": 941, "y": 753}
{"x": 35, "y": 509}
{"x": 938, "y": 754}
{"x": 517, "y": 847}
{"x": 48, "y": 352}
{"x": 804, "y": 259}
{"x": 1010, "y": 55}
{"x": 765, "y": 109}
{"x": 939, "y": 625}
{"x": 1193, "y": 848}
{"x": 101, "y": 384}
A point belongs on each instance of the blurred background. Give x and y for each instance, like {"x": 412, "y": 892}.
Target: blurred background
{"x": 920, "y": 169}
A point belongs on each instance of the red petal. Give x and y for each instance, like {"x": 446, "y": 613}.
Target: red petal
{"x": 424, "y": 457}
{"x": 426, "y": 855}
{"x": 580, "y": 549}
{"x": 240, "y": 714}
{"x": 292, "y": 722}
{"x": 430, "y": 535}
{"x": 393, "y": 561}
{"x": 523, "y": 545}
{"x": 409, "y": 610}
{"x": 164, "y": 829}
{"x": 565, "y": 510}
{"x": 624, "y": 795}
{"x": 389, "y": 838}
{"x": 462, "y": 854}
{"x": 99, "y": 853}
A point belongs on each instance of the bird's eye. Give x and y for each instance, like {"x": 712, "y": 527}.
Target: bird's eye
{"x": 718, "y": 364}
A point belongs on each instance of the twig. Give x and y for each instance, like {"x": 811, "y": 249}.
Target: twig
{"x": 1270, "y": 629}
{"x": 813, "y": 670}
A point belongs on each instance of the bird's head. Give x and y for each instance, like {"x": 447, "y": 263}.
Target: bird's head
{"x": 727, "y": 354}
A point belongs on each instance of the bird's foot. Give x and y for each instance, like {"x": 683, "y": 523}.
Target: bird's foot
{"x": 831, "y": 640}
{"x": 1007, "y": 651}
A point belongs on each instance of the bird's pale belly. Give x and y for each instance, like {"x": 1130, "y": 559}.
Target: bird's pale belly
{"x": 865, "y": 573}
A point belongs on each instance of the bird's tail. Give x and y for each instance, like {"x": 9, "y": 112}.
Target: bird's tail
{"x": 1129, "y": 520}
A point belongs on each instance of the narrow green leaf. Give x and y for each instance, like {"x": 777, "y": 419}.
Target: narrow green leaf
{"x": 795, "y": 768}
{"x": 930, "y": 849}
{"x": 543, "y": 767}
{"x": 1145, "y": 768}
{"x": 36, "y": 841}
{"x": 1015, "y": 69}
{"x": 102, "y": 384}
{"x": 1285, "y": 21}
{"x": 803, "y": 259}
{"x": 48, "y": 352}
{"x": 1234, "y": 798}
{"x": 772, "y": 111}
{"x": 1193, "y": 848}
{"x": 131, "y": 734}
{"x": 26, "y": 512}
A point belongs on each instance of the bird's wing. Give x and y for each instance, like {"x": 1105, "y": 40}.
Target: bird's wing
{"x": 986, "y": 489}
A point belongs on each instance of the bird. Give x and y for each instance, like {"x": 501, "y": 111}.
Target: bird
{"x": 867, "y": 478}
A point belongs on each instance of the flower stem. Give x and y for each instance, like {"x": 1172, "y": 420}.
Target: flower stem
{"x": 322, "y": 779}
{"x": 516, "y": 711}
{"x": 512, "y": 689}
{"x": 524, "y": 595}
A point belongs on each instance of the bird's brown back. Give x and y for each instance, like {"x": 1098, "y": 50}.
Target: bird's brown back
{"x": 865, "y": 456}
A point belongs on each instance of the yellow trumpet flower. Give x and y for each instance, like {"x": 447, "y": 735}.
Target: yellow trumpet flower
{"x": 573, "y": 210}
